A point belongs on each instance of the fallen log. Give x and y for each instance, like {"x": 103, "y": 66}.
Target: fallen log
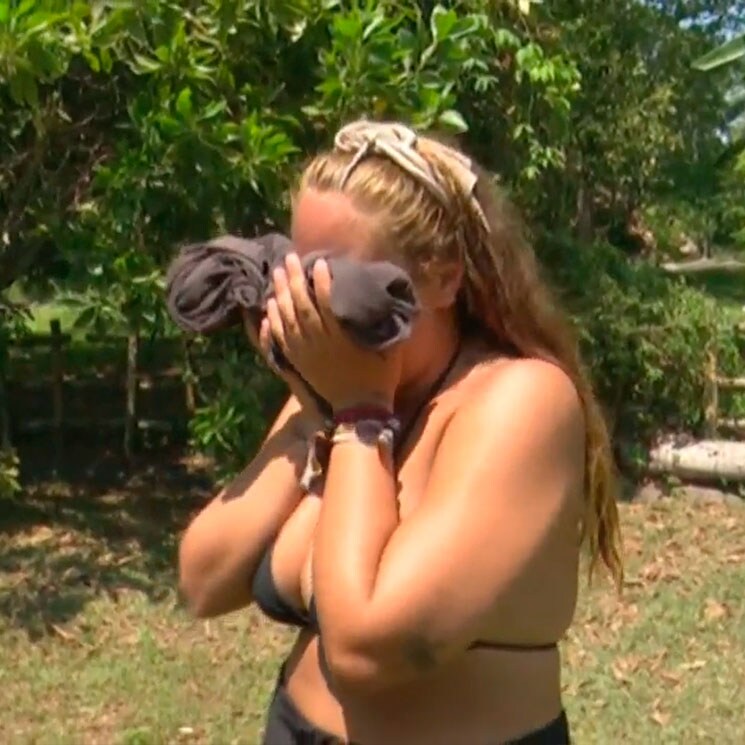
{"x": 732, "y": 384}
{"x": 698, "y": 266}
{"x": 706, "y": 460}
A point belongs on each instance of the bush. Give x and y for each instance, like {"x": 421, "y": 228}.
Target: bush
{"x": 238, "y": 397}
{"x": 644, "y": 336}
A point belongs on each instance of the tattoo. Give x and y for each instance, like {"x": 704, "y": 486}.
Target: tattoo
{"x": 421, "y": 653}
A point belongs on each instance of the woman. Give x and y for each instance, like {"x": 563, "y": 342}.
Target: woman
{"x": 433, "y": 570}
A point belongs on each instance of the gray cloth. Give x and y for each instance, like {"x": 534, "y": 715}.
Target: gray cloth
{"x": 208, "y": 284}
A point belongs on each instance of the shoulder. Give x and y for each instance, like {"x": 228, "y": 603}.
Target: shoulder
{"x": 529, "y": 385}
{"x": 519, "y": 404}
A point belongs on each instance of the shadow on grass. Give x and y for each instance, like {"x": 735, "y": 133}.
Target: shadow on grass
{"x": 103, "y": 530}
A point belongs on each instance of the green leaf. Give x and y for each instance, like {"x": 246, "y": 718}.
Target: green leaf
{"x": 453, "y": 120}
{"x": 143, "y": 65}
{"x": 184, "y": 104}
{"x": 728, "y": 52}
{"x": 442, "y": 22}
{"x": 93, "y": 62}
{"x": 348, "y": 27}
{"x": 214, "y": 109}
{"x": 106, "y": 60}
{"x": 170, "y": 126}
{"x": 23, "y": 88}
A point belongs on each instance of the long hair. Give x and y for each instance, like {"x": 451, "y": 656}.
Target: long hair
{"x": 503, "y": 295}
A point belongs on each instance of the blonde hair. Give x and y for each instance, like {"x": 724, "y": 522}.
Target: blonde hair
{"x": 503, "y": 296}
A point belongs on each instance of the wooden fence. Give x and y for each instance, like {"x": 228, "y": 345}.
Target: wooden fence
{"x": 715, "y": 385}
{"x": 126, "y": 385}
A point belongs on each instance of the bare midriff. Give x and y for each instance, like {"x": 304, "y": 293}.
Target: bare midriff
{"x": 486, "y": 696}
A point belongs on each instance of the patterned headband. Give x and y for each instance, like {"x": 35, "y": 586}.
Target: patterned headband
{"x": 398, "y": 143}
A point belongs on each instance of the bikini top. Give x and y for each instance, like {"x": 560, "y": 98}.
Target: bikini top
{"x": 268, "y": 598}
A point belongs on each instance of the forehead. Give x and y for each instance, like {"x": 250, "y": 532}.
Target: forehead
{"x": 329, "y": 221}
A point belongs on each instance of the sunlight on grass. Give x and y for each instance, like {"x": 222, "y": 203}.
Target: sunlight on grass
{"x": 96, "y": 650}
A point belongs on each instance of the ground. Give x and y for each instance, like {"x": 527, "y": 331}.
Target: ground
{"x": 97, "y": 650}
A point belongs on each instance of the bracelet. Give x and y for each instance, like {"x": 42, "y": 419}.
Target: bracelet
{"x": 354, "y": 414}
{"x": 368, "y": 432}
{"x": 380, "y": 431}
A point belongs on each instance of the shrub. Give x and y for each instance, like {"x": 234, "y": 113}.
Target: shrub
{"x": 644, "y": 336}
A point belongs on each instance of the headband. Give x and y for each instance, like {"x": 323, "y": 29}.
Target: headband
{"x": 398, "y": 143}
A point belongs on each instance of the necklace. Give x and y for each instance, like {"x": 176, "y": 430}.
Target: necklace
{"x": 319, "y": 447}
{"x": 432, "y": 391}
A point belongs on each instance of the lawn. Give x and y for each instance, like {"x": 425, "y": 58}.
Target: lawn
{"x": 96, "y": 650}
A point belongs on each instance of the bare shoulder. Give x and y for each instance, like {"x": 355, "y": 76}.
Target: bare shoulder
{"x": 529, "y": 398}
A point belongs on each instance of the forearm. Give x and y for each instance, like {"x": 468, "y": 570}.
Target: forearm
{"x": 358, "y": 518}
{"x": 222, "y": 546}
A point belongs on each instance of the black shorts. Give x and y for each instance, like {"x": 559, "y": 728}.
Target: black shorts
{"x": 285, "y": 725}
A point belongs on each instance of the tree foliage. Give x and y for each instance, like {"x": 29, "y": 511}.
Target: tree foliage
{"x": 130, "y": 126}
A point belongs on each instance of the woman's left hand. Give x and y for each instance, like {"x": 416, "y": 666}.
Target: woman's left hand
{"x": 338, "y": 368}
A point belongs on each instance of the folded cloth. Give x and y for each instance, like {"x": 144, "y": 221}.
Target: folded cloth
{"x": 374, "y": 301}
{"x": 208, "y": 284}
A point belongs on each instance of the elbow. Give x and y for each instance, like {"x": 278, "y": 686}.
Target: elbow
{"x": 196, "y": 598}
{"x": 374, "y": 666}
{"x": 194, "y": 591}
{"x": 362, "y": 672}
{"x": 196, "y": 584}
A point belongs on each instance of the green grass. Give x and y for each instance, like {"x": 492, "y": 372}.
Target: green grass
{"x": 96, "y": 650}
{"x": 727, "y": 289}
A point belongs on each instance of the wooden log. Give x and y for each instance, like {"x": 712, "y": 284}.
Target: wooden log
{"x": 733, "y": 425}
{"x": 130, "y": 421}
{"x": 701, "y": 266}
{"x": 58, "y": 377}
{"x": 707, "y": 460}
{"x": 732, "y": 384}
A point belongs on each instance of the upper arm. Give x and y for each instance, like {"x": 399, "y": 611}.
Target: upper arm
{"x": 220, "y": 547}
{"x": 503, "y": 479}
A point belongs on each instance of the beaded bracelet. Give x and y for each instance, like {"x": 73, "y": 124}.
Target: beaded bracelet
{"x": 381, "y": 432}
{"x": 368, "y": 431}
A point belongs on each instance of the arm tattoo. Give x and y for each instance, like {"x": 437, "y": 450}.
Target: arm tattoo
{"x": 421, "y": 653}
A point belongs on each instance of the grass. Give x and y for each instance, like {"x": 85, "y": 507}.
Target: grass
{"x": 95, "y": 648}
{"x": 726, "y": 289}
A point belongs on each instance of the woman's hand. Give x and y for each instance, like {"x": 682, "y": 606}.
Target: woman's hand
{"x": 311, "y": 417}
{"x": 339, "y": 369}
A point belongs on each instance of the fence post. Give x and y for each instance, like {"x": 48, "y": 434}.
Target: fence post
{"x": 711, "y": 394}
{"x": 130, "y": 418}
{"x": 58, "y": 379}
{"x": 190, "y": 393}
{"x": 5, "y": 443}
